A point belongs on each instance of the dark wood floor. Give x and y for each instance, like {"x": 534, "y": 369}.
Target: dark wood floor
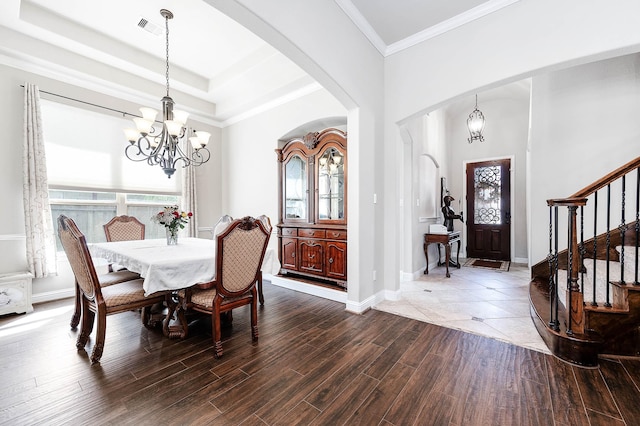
{"x": 314, "y": 364}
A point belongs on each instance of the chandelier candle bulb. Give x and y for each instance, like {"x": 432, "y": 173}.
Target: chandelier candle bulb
{"x": 132, "y": 135}
{"x": 149, "y": 114}
{"x": 143, "y": 125}
{"x": 180, "y": 116}
{"x": 203, "y": 137}
{"x": 173, "y": 127}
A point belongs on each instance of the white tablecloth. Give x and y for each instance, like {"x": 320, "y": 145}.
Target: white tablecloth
{"x": 163, "y": 267}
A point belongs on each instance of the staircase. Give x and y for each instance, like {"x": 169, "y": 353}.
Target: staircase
{"x": 585, "y": 296}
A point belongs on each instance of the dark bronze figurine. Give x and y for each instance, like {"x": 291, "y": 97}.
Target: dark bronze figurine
{"x": 449, "y": 214}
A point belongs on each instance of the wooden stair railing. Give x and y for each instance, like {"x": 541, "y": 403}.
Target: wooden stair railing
{"x": 580, "y": 324}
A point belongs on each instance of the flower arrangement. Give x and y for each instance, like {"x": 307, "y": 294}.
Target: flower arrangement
{"x": 173, "y": 220}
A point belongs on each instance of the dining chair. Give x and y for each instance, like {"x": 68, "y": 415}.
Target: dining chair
{"x": 267, "y": 224}
{"x": 124, "y": 228}
{"x": 97, "y": 300}
{"x": 120, "y": 228}
{"x": 239, "y": 256}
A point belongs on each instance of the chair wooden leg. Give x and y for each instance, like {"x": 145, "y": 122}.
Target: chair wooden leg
{"x": 254, "y": 318}
{"x": 96, "y": 354}
{"x": 145, "y": 315}
{"x": 261, "y": 296}
{"x": 75, "y": 318}
{"x": 217, "y": 334}
{"x": 87, "y": 324}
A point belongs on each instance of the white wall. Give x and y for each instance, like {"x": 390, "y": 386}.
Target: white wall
{"x": 584, "y": 125}
{"x": 319, "y": 37}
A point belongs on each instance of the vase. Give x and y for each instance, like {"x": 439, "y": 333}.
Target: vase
{"x": 172, "y": 236}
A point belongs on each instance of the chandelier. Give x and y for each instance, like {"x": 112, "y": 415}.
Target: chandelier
{"x": 166, "y": 144}
{"x": 475, "y": 123}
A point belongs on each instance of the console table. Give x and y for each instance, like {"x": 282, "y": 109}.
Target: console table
{"x": 446, "y": 240}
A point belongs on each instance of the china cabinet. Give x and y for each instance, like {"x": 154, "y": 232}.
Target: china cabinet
{"x": 312, "y": 227}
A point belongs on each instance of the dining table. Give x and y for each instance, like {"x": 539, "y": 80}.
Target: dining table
{"x": 163, "y": 267}
{"x": 169, "y": 268}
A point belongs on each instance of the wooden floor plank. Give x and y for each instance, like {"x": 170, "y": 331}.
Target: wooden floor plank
{"x": 595, "y": 393}
{"x": 374, "y": 408}
{"x": 536, "y": 400}
{"x": 406, "y": 408}
{"x": 347, "y": 401}
{"x": 622, "y": 389}
{"x": 314, "y": 362}
{"x": 566, "y": 399}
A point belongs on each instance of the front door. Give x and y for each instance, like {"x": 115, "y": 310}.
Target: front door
{"x": 488, "y": 210}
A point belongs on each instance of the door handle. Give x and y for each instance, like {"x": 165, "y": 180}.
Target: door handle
{"x": 507, "y": 217}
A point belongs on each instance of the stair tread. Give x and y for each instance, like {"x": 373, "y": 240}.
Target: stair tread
{"x": 601, "y": 308}
{"x": 627, "y": 285}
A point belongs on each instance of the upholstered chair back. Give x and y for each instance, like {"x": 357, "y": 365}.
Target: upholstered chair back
{"x": 75, "y": 247}
{"x": 124, "y": 228}
{"x": 241, "y": 250}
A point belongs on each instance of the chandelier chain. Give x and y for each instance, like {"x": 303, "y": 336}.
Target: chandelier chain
{"x": 162, "y": 146}
{"x": 166, "y": 23}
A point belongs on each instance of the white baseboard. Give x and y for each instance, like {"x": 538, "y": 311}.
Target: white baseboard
{"x": 314, "y": 290}
{"x": 392, "y": 295}
{"x": 365, "y": 305}
{"x": 53, "y": 295}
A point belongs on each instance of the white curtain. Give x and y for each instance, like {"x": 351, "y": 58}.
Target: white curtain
{"x": 189, "y": 202}
{"x": 41, "y": 252}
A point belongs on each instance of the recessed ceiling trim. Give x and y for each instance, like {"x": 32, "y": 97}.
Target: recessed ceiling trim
{"x": 310, "y": 88}
{"x": 472, "y": 14}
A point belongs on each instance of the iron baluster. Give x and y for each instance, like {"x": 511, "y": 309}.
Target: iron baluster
{"x": 635, "y": 281}
{"x": 556, "y": 326}
{"x": 623, "y": 230}
{"x": 595, "y": 245}
{"x": 581, "y": 250}
{"x": 608, "y": 244}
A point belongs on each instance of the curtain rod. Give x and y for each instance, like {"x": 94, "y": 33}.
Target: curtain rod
{"x": 86, "y": 103}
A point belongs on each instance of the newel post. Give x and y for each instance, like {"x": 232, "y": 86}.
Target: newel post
{"x": 575, "y": 298}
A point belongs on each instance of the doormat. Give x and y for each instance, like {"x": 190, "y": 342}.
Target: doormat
{"x": 499, "y": 265}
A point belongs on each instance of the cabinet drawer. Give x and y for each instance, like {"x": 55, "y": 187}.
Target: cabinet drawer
{"x": 311, "y": 233}
{"x": 289, "y": 232}
{"x": 336, "y": 234}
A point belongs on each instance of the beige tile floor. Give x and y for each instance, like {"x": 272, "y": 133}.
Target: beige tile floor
{"x": 487, "y": 302}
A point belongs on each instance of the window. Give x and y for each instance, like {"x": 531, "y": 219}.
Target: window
{"x": 91, "y": 180}
{"x": 91, "y": 210}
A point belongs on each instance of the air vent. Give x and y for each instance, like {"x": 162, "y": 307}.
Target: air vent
{"x": 149, "y": 26}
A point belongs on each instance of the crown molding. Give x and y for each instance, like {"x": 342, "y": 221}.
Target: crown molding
{"x": 470, "y": 15}
{"x": 70, "y": 76}
{"x": 363, "y": 25}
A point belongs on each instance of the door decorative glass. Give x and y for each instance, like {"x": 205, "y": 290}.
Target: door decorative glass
{"x": 296, "y": 193}
{"x": 331, "y": 185}
{"x": 488, "y": 196}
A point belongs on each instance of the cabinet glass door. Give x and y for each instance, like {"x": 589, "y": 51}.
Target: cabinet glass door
{"x": 296, "y": 189}
{"x": 331, "y": 185}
